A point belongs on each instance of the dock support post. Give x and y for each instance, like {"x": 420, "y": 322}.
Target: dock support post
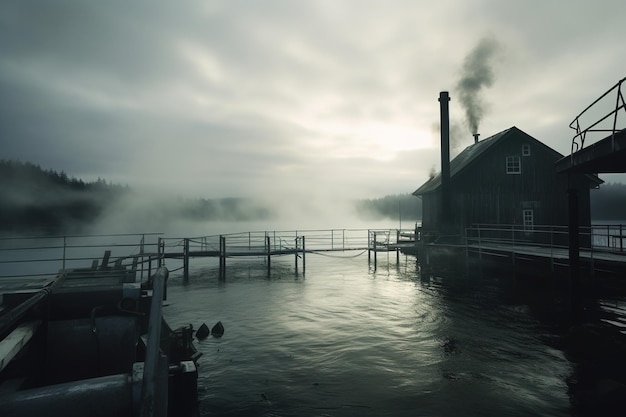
{"x": 222, "y": 254}
{"x": 160, "y": 256}
{"x": 186, "y": 261}
{"x": 269, "y": 253}
{"x": 303, "y": 256}
{"x": 141, "y": 252}
{"x": 369, "y": 246}
{"x": 397, "y": 247}
{"x": 375, "y": 255}
{"x": 296, "y": 254}
{"x": 574, "y": 255}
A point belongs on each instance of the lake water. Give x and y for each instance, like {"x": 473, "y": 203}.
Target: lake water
{"x": 347, "y": 340}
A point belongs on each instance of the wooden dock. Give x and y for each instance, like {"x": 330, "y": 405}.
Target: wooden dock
{"x": 93, "y": 342}
{"x": 296, "y": 243}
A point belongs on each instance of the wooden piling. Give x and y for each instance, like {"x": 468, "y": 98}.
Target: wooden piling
{"x": 303, "y": 256}
{"x": 574, "y": 255}
{"x": 296, "y": 253}
{"x": 269, "y": 253}
{"x": 105, "y": 260}
{"x": 222, "y": 253}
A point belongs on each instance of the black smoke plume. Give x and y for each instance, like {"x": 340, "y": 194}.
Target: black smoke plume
{"x": 477, "y": 74}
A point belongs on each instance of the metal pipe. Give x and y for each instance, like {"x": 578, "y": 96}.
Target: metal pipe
{"x": 103, "y": 396}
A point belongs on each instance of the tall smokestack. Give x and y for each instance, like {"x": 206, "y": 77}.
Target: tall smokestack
{"x": 476, "y": 135}
{"x": 444, "y": 99}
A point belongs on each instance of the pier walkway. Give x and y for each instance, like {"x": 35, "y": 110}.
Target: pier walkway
{"x": 39, "y": 258}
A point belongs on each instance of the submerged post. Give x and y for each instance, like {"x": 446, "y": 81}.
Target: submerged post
{"x": 303, "y": 256}
{"x": 222, "y": 253}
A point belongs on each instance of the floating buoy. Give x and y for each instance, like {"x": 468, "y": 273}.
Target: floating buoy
{"x": 203, "y": 332}
{"x": 218, "y": 330}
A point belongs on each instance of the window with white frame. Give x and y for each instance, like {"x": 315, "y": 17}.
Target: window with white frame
{"x": 525, "y": 149}
{"x": 513, "y": 165}
{"x": 529, "y": 219}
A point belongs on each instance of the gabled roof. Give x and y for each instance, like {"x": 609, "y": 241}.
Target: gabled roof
{"x": 473, "y": 152}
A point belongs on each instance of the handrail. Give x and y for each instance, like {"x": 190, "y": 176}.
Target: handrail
{"x": 316, "y": 240}
{"x": 44, "y": 255}
{"x": 604, "y": 237}
{"x": 582, "y": 133}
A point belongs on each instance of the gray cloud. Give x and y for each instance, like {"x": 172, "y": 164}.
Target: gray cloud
{"x": 238, "y": 98}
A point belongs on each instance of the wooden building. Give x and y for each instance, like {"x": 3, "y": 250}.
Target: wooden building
{"x": 506, "y": 179}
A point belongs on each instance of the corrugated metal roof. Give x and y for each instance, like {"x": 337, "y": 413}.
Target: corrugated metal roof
{"x": 465, "y": 158}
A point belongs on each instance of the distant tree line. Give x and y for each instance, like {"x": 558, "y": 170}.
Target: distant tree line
{"x": 36, "y": 200}
{"x": 395, "y": 207}
{"x": 32, "y": 198}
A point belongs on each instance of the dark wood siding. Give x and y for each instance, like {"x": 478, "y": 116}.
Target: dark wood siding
{"x": 483, "y": 192}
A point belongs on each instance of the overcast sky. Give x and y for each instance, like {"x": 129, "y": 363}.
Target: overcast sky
{"x": 285, "y": 97}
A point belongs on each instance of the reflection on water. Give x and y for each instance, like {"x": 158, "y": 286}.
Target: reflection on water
{"x": 346, "y": 340}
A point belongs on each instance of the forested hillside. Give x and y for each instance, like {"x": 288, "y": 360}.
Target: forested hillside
{"x": 34, "y": 199}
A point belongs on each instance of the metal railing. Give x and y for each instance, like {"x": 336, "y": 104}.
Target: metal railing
{"x": 578, "y": 142}
{"x": 261, "y": 242}
{"x": 611, "y": 238}
{"x": 33, "y": 256}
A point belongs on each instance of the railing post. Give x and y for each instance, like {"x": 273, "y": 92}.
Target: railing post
{"x": 64, "y": 247}
{"x": 552, "y": 248}
{"x": 375, "y": 254}
{"x": 480, "y": 246}
{"x": 160, "y": 255}
{"x": 186, "y": 261}
{"x": 369, "y": 251}
{"x": 621, "y": 239}
{"x": 222, "y": 253}
{"x": 268, "y": 249}
{"x": 141, "y": 252}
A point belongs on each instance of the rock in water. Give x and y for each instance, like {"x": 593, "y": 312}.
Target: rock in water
{"x": 203, "y": 332}
{"x": 218, "y": 329}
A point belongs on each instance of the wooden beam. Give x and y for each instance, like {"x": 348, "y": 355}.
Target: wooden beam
{"x": 15, "y": 341}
